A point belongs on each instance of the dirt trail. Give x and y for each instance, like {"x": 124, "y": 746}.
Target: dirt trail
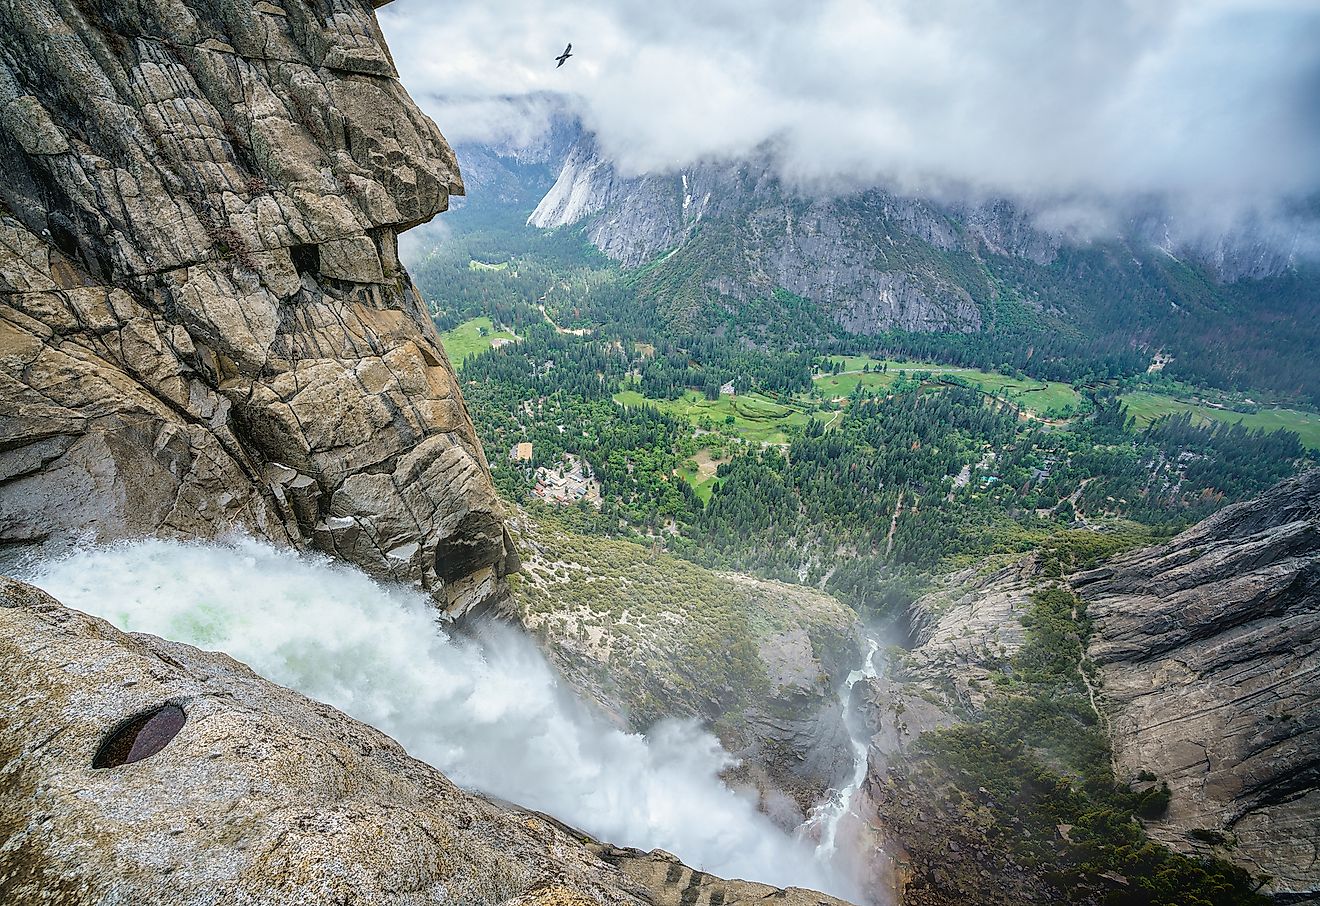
{"x": 1095, "y": 705}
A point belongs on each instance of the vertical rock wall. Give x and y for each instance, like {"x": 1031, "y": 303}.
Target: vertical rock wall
{"x": 203, "y": 320}
{"x": 1209, "y": 649}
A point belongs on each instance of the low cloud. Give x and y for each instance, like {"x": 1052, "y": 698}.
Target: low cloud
{"x": 1211, "y": 106}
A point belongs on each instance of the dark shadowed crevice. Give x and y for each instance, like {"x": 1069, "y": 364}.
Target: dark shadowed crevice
{"x": 306, "y": 259}
{"x": 469, "y": 548}
{"x": 141, "y": 737}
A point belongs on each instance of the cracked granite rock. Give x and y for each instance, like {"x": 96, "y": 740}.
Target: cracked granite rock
{"x": 1208, "y": 647}
{"x": 1210, "y": 651}
{"x": 970, "y": 627}
{"x": 263, "y": 797}
{"x": 203, "y": 320}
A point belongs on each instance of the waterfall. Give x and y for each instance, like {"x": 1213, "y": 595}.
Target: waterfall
{"x": 831, "y": 811}
{"x": 490, "y": 714}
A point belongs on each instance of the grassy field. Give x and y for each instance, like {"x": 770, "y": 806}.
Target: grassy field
{"x": 1049, "y": 399}
{"x": 700, "y": 473}
{"x": 842, "y": 385}
{"x": 466, "y": 340}
{"x": 703, "y": 487}
{"x": 1145, "y": 407}
{"x": 756, "y": 419}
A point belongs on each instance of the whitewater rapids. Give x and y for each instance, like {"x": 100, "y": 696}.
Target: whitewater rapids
{"x": 489, "y": 714}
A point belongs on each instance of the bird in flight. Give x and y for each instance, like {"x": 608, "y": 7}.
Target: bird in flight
{"x": 563, "y": 57}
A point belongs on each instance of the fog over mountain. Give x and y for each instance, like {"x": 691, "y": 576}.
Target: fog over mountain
{"x": 839, "y": 453}
{"x": 1210, "y": 110}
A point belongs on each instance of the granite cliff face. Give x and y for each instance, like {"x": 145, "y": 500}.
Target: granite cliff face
{"x": 508, "y": 174}
{"x": 1209, "y": 649}
{"x": 855, "y": 256}
{"x": 734, "y": 232}
{"x": 261, "y": 796}
{"x": 203, "y": 320}
{"x": 1201, "y": 656}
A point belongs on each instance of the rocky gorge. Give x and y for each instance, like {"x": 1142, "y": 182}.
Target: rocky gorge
{"x": 205, "y": 329}
{"x": 1191, "y": 662}
{"x": 647, "y": 637}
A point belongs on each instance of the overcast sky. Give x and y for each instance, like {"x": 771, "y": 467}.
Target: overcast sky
{"x": 1213, "y": 102}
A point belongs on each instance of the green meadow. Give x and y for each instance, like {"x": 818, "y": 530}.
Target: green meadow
{"x": 1050, "y": 399}
{"x": 467, "y": 340}
{"x": 755, "y": 418}
{"x": 1145, "y": 407}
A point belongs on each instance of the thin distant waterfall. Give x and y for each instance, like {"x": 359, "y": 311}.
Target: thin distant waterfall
{"x": 829, "y": 813}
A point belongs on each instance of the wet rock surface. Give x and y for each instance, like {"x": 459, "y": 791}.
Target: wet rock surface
{"x": 672, "y": 883}
{"x": 203, "y": 321}
{"x": 796, "y": 741}
{"x": 263, "y": 796}
{"x": 143, "y": 736}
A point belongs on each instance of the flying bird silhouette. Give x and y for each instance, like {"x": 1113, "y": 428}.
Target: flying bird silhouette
{"x": 563, "y": 57}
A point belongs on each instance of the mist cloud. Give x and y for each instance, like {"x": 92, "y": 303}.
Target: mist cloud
{"x": 1212, "y": 103}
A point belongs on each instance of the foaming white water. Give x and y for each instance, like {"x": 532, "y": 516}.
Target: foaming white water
{"x": 490, "y": 716}
{"x": 827, "y": 815}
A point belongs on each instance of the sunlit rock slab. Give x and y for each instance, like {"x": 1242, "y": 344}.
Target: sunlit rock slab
{"x": 1209, "y": 647}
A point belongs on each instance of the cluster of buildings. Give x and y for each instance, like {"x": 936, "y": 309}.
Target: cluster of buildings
{"x": 566, "y": 483}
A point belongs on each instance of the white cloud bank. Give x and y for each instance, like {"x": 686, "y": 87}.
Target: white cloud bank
{"x": 1213, "y": 105}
